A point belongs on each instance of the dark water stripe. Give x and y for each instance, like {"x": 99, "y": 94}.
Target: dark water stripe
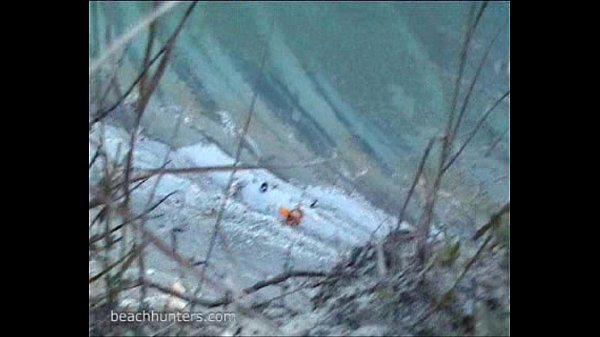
{"x": 360, "y": 141}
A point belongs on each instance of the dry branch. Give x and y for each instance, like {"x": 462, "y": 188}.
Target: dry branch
{"x": 101, "y": 114}
{"x": 463, "y": 59}
{"x": 415, "y": 180}
{"x": 440, "y": 302}
{"x": 147, "y": 93}
{"x": 467, "y": 98}
{"x": 494, "y": 220}
{"x": 237, "y": 159}
{"x": 474, "y": 131}
{"x": 131, "y": 34}
{"x": 247, "y": 291}
{"x": 447, "y": 141}
{"x": 109, "y": 268}
{"x": 496, "y": 142}
{"x": 144, "y": 174}
{"x": 167, "y": 250}
{"x": 146, "y": 67}
{"x": 96, "y": 238}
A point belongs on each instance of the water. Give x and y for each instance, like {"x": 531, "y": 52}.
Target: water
{"x": 366, "y": 83}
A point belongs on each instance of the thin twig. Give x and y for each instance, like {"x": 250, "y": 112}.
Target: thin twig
{"x": 463, "y": 59}
{"x": 167, "y": 250}
{"x": 474, "y": 131}
{"x": 447, "y": 141}
{"x": 101, "y": 114}
{"x": 496, "y": 142}
{"x": 372, "y": 236}
{"x": 151, "y": 198}
{"x": 109, "y": 268}
{"x": 148, "y": 91}
{"x": 467, "y": 98}
{"x": 108, "y": 171}
{"x": 95, "y": 202}
{"x": 137, "y": 217}
{"x": 131, "y": 34}
{"x": 466, "y": 268}
{"x": 281, "y": 296}
{"x": 415, "y": 181}
{"x": 283, "y": 277}
{"x": 149, "y": 45}
{"x": 93, "y": 159}
{"x": 144, "y": 174}
{"x": 194, "y": 300}
{"x": 112, "y": 79}
{"x": 143, "y": 74}
{"x": 494, "y": 220}
{"x": 238, "y": 152}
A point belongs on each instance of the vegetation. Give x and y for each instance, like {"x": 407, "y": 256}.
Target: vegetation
{"x": 416, "y": 282}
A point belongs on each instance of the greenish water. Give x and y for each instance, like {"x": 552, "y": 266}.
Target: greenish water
{"x": 370, "y": 82}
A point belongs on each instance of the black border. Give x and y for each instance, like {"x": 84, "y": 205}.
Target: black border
{"x": 46, "y": 235}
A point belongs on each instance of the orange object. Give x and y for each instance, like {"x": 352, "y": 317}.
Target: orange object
{"x": 292, "y": 217}
{"x": 284, "y": 212}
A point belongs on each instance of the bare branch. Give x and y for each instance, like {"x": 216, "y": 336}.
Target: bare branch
{"x": 147, "y": 93}
{"x": 439, "y": 303}
{"x": 131, "y": 34}
{"x": 167, "y": 250}
{"x": 149, "y": 45}
{"x": 93, "y": 159}
{"x": 415, "y": 180}
{"x": 283, "y": 277}
{"x": 474, "y": 131}
{"x": 495, "y": 142}
{"x": 237, "y": 159}
{"x": 112, "y": 79}
{"x": 472, "y": 86}
{"x": 427, "y": 215}
{"x": 101, "y": 114}
{"x": 228, "y": 300}
{"x": 143, "y": 74}
{"x": 494, "y": 220}
{"x": 145, "y": 174}
{"x": 140, "y": 216}
{"x": 152, "y": 194}
{"x": 463, "y": 59}
{"x": 109, "y": 268}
